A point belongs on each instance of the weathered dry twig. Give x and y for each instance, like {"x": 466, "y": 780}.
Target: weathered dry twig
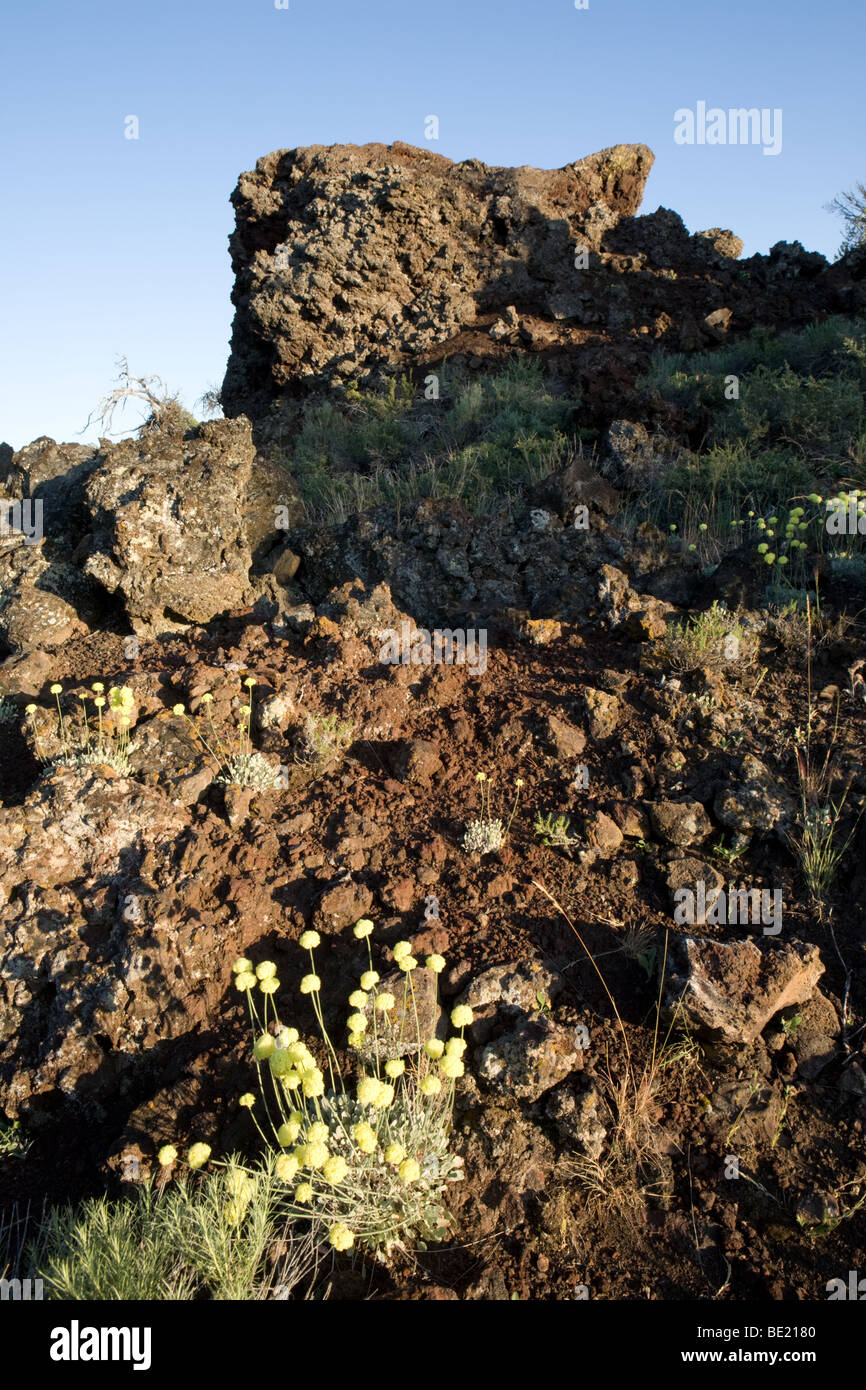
{"x": 139, "y": 388}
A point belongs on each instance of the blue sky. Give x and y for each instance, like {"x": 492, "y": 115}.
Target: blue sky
{"x": 114, "y": 246}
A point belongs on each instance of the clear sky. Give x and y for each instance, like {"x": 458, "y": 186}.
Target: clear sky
{"x": 116, "y": 246}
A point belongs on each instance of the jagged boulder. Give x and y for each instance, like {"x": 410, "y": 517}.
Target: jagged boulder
{"x": 348, "y": 257}
{"x": 178, "y": 523}
{"x": 45, "y": 597}
{"x": 729, "y": 990}
{"x": 176, "y": 527}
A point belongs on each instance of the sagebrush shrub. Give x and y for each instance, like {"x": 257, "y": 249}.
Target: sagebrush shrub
{"x": 715, "y": 639}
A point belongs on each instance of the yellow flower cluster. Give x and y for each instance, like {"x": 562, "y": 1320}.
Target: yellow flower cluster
{"x": 341, "y": 1237}
{"x": 108, "y": 742}
{"x": 241, "y": 1189}
{"x": 370, "y": 1089}
{"x": 286, "y": 1167}
{"x": 289, "y": 1131}
{"x": 328, "y": 1164}
{"x": 365, "y": 1137}
{"x": 246, "y": 979}
{"x": 121, "y": 698}
{"x": 451, "y": 1066}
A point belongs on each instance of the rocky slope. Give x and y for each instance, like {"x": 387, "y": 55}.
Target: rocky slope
{"x": 127, "y": 896}
{"x": 620, "y": 1056}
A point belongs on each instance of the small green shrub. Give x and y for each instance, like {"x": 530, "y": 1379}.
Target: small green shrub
{"x": 390, "y": 404}
{"x": 820, "y": 416}
{"x": 322, "y": 737}
{"x": 554, "y": 831}
{"x": 212, "y": 1236}
{"x": 13, "y": 1141}
{"x": 8, "y": 710}
{"x": 714, "y": 639}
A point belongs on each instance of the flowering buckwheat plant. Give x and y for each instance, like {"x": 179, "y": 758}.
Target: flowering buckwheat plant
{"x": 90, "y": 740}
{"x": 240, "y": 764}
{"x": 367, "y": 1161}
{"x": 486, "y": 834}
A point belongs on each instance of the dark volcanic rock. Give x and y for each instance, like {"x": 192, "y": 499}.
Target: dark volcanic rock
{"x": 179, "y": 522}
{"x": 348, "y": 257}
{"x": 730, "y": 990}
{"x": 354, "y": 261}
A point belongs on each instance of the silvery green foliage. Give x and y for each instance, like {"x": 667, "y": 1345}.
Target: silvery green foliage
{"x": 372, "y": 1199}
{"x": 323, "y": 737}
{"x": 484, "y": 836}
{"x": 92, "y": 757}
{"x": 250, "y": 770}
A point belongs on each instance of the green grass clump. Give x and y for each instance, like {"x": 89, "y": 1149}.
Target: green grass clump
{"x": 477, "y": 442}
{"x": 695, "y": 382}
{"x": 818, "y": 839}
{"x": 796, "y": 427}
